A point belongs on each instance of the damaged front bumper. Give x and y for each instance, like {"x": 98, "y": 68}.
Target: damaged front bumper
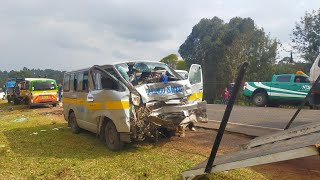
{"x": 195, "y": 112}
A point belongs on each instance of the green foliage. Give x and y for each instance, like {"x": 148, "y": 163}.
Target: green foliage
{"x": 181, "y": 65}
{"x": 306, "y": 36}
{"x": 31, "y": 73}
{"x": 290, "y": 68}
{"x": 221, "y": 47}
{"x": 171, "y": 60}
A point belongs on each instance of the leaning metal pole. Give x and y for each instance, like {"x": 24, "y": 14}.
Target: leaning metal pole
{"x": 302, "y": 104}
{"x": 226, "y": 116}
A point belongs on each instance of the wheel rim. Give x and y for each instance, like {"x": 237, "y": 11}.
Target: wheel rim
{"x": 72, "y": 122}
{"x": 111, "y": 135}
{"x": 258, "y": 99}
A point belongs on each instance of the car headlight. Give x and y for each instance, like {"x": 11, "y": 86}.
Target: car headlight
{"x": 135, "y": 99}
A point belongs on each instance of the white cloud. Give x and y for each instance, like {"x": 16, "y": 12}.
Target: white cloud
{"x": 77, "y": 33}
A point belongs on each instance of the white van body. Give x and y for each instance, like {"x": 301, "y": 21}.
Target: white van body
{"x": 132, "y": 101}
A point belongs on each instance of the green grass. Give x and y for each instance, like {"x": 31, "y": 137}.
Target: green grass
{"x": 59, "y": 154}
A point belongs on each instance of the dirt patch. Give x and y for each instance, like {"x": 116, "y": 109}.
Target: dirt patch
{"x": 200, "y": 142}
{"x": 52, "y": 111}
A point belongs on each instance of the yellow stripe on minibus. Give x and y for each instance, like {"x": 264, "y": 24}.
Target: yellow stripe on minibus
{"x": 117, "y": 105}
{"x": 110, "y": 105}
{"x": 93, "y": 105}
{"x": 69, "y": 100}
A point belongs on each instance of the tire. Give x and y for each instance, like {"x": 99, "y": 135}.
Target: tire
{"x": 112, "y": 137}
{"x": 73, "y": 123}
{"x": 16, "y": 101}
{"x": 260, "y": 99}
{"x": 9, "y": 99}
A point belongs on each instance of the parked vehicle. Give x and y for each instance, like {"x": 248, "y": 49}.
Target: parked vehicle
{"x": 36, "y": 91}
{"x": 9, "y": 86}
{"x": 314, "y": 99}
{"x": 2, "y": 94}
{"x": 132, "y": 101}
{"x": 284, "y": 88}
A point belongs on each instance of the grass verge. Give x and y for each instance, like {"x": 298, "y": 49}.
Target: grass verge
{"x": 43, "y": 147}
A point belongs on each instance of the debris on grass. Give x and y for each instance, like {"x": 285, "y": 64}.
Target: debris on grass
{"x": 43, "y": 130}
{"x": 35, "y": 133}
{"x": 55, "y": 129}
{"x": 20, "y": 119}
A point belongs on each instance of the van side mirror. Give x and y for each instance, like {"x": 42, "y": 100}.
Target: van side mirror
{"x": 89, "y": 97}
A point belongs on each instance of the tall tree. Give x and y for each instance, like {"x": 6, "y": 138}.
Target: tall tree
{"x": 171, "y": 60}
{"x": 181, "y": 65}
{"x": 221, "y": 47}
{"x": 306, "y": 36}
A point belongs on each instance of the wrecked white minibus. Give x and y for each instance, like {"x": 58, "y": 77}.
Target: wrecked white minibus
{"x": 132, "y": 101}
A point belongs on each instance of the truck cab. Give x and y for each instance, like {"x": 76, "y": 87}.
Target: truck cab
{"x": 283, "y": 89}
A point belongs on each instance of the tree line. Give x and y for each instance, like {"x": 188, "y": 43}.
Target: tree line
{"x": 31, "y": 73}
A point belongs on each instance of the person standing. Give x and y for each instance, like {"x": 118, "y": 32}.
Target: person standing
{"x": 226, "y": 96}
{"x": 60, "y": 92}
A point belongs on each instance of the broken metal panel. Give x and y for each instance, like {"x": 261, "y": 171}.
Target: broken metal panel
{"x": 172, "y": 109}
{"x": 290, "y": 133}
{"x": 164, "y": 92}
{"x": 274, "y": 151}
{"x": 270, "y": 158}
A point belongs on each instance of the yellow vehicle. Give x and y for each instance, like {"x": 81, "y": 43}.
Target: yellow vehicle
{"x": 132, "y": 101}
{"x": 36, "y": 91}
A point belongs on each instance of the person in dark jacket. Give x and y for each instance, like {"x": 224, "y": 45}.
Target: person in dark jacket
{"x": 60, "y": 92}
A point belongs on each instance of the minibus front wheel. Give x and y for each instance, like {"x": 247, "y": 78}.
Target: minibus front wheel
{"x": 112, "y": 137}
{"x": 73, "y": 123}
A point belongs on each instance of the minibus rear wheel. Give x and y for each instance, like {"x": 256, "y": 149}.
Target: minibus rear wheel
{"x": 73, "y": 123}
{"x": 112, "y": 137}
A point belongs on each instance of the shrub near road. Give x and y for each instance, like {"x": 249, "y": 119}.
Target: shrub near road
{"x": 39, "y": 145}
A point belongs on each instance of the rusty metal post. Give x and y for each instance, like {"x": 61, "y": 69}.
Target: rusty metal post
{"x": 225, "y": 118}
{"x": 302, "y": 104}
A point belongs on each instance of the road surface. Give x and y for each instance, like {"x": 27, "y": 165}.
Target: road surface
{"x": 263, "y": 116}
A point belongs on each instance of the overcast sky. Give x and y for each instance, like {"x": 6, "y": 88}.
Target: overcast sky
{"x": 73, "y": 34}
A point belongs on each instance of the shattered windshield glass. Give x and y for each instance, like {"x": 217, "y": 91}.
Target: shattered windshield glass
{"x": 138, "y": 73}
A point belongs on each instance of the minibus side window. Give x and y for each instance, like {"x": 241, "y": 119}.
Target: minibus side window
{"x": 79, "y": 81}
{"x": 82, "y": 79}
{"x": 102, "y": 81}
{"x": 66, "y": 83}
{"x": 85, "y": 82}
{"x": 75, "y": 82}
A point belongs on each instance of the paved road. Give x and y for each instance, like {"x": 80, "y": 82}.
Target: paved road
{"x": 263, "y": 116}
